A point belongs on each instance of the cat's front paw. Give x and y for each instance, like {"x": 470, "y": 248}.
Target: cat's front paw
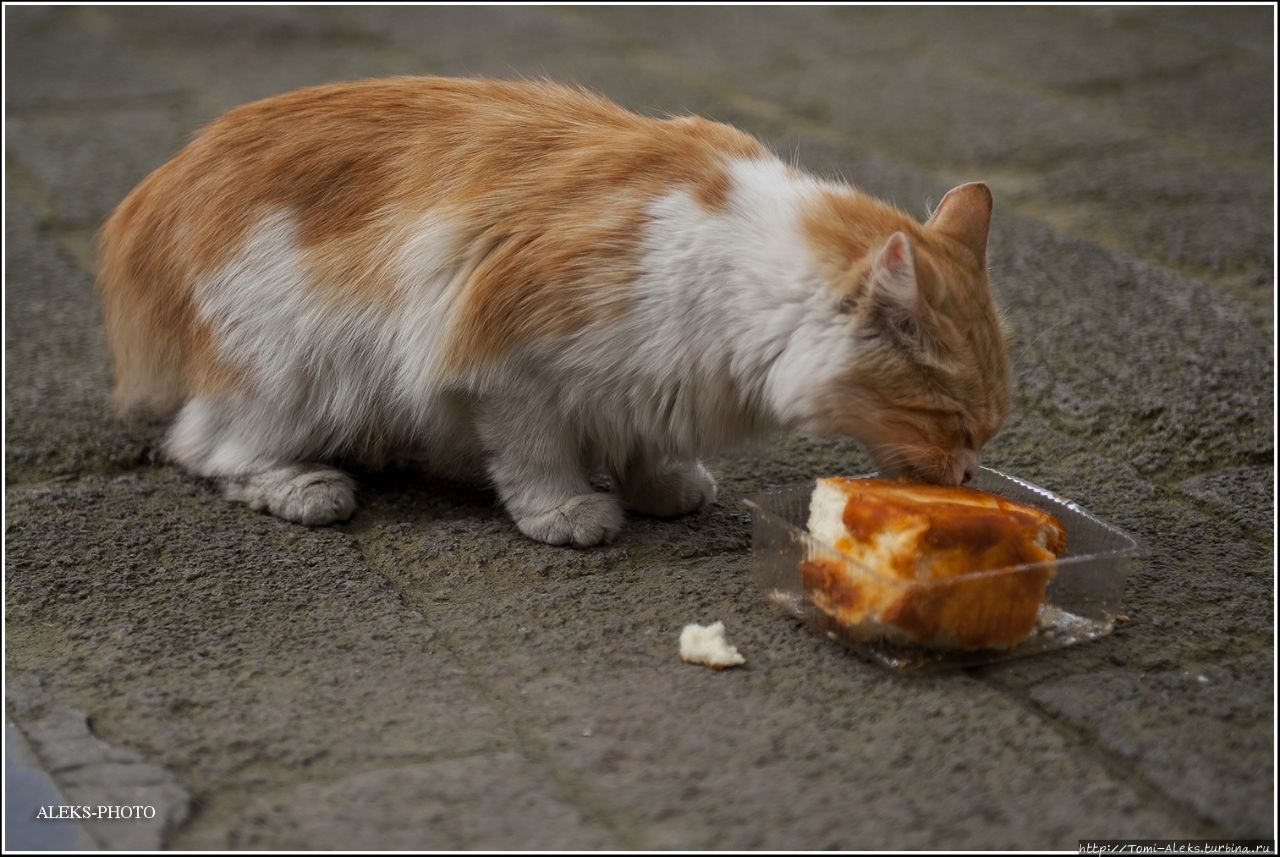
{"x": 582, "y": 521}
{"x": 669, "y": 490}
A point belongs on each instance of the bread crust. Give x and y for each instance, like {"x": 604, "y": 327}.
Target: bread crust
{"x": 938, "y": 566}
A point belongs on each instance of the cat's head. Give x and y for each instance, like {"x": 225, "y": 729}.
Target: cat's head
{"x": 928, "y": 382}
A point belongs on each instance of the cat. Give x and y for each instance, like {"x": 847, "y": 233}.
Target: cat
{"x": 524, "y": 280}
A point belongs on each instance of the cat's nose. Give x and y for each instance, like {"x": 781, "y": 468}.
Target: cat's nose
{"x": 968, "y": 474}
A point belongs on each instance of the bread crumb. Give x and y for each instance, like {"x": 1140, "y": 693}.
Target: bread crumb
{"x": 707, "y": 646}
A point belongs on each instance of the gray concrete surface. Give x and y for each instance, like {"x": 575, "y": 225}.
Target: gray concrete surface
{"x": 33, "y": 804}
{"x": 422, "y": 677}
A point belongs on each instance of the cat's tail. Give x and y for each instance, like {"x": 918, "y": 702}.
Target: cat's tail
{"x": 147, "y": 308}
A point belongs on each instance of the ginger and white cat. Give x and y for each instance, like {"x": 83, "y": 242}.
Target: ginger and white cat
{"x": 526, "y": 280}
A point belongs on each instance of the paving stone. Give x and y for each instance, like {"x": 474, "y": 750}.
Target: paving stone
{"x": 818, "y": 746}
{"x": 1245, "y": 494}
{"x": 56, "y": 55}
{"x": 1202, "y": 734}
{"x": 1248, "y": 28}
{"x": 230, "y": 55}
{"x": 1167, "y": 370}
{"x": 1172, "y": 206}
{"x": 58, "y": 388}
{"x": 504, "y": 42}
{"x": 86, "y": 161}
{"x": 225, "y": 645}
{"x": 29, "y": 792}
{"x": 1057, "y": 48}
{"x": 95, "y": 775}
{"x": 783, "y": 40}
{"x": 482, "y": 802}
{"x": 1224, "y": 111}
{"x": 598, "y": 685}
{"x": 201, "y": 28}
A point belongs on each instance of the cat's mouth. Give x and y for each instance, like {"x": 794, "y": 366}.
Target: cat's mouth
{"x": 932, "y": 465}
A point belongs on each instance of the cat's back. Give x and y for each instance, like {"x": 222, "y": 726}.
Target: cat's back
{"x": 358, "y": 182}
{"x": 350, "y": 149}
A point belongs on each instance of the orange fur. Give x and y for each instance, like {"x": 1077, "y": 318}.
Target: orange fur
{"x": 550, "y": 182}
{"x": 712, "y": 192}
{"x": 161, "y": 348}
{"x": 846, "y": 228}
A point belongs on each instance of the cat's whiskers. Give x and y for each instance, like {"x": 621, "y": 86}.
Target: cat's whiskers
{"x": 892, "y": 456}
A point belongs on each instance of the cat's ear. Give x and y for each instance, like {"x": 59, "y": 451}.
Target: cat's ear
{"x": 894, "y": 290}
{"x": 965, "y": 214}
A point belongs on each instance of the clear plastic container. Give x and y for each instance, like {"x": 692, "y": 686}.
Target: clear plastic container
{"x": 1080, "y": 603}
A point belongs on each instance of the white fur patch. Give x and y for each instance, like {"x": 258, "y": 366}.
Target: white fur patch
{"x": 729, "y": 333}
{"x": 328, "y": 371}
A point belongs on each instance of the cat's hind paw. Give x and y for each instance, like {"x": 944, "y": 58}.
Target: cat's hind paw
{"x": 670, "y": 490}
{"x": 582, "y": 521}
{"x": 305, "y": 494}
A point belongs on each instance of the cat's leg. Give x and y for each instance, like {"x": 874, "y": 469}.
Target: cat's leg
{"x": 230, "y": 443}
{"x": 666, "y": 488}
{"x": 537, "y": 466}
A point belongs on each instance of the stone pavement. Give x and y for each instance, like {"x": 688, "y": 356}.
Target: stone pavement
{"x": 423, "y": 677}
